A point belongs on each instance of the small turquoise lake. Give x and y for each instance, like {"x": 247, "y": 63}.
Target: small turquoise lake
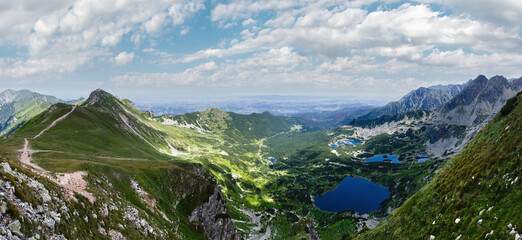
{"x": 350, "y": 142}
{"x": 343, "y": 142}
{"x": 356, "y": 194}
{"x": 381, "y": 158}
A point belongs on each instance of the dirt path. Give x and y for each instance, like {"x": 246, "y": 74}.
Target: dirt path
{"x": 54, "y": 123}
{"x": 71, "y": 182}
{"x": 26, "y": 158}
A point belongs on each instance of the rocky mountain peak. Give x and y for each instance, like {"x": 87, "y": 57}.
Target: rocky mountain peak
{"x": 98, "y": 95}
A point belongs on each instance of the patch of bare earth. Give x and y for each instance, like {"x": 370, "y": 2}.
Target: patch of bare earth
{"x": 74, "y": 182}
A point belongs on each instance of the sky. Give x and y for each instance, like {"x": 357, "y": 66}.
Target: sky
{"x": 165, "y": 50}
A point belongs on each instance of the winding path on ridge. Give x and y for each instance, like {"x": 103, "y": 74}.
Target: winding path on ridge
{"x": 54, "y": 123}
{"x": 71, "y": 182}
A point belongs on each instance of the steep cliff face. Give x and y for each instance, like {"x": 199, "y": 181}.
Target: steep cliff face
{"x": 213, "y": 217}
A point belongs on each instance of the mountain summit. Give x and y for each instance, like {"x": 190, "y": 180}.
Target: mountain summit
{"x": 99, "y": 95}
{"x": 478, "y": 101}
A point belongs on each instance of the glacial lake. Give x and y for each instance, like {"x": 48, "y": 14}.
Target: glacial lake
{"x": 381, "y": 158}
{"x": 356, "y": 194}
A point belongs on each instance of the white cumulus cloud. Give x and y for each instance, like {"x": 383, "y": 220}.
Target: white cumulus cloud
{"x": 124, "y": 58}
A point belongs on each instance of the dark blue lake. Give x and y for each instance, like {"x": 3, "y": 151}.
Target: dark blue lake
{"x": 422, "y": 159}
{"x": 271, "y": 159}
{"x": 356, "y": 194}
{"x": 380, "y": 158}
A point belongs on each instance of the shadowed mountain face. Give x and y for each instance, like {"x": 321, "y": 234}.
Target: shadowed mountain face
{"x": 479, "y": 101}
{"x": 476, "y": 195}
{"x": 17, "y": 107}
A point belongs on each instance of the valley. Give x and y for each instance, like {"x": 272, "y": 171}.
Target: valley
{"x": 223, "y": 175}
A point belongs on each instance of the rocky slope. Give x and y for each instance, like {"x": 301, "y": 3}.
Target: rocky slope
{"x": 478, "y": 102}
{"x": 476, "y": 195}
{"x": 450, "y": 125}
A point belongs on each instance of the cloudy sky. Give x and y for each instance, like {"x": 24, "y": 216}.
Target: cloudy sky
{"x": 174, "y": 49}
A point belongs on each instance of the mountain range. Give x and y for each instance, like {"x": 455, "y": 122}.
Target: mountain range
{"x": 103, "y": 168}
{"x": 421, "y": 98}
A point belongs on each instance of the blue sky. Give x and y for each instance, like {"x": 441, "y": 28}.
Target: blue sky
{"x": 192, "y": 49}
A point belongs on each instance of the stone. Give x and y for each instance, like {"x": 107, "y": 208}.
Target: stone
{"x": 213, "y": 216}
{"x": 49, "y": 222}
{"x": 15, "y": 227}
{"x": 3, "y": 207}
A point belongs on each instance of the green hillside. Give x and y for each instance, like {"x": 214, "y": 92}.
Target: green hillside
{"x": 17, "y": 107}
{"x": 476, "y": 195}
{"x": 235, "y": 126}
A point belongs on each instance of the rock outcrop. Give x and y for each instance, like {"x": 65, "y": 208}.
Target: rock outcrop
{"x": 213, "y": 216}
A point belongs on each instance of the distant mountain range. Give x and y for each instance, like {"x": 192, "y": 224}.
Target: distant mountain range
{"x": 421, "y": 98}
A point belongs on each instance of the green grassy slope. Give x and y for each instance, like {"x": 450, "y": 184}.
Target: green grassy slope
{"x": 237, "y": 127}
{"x": 477, "y": 194}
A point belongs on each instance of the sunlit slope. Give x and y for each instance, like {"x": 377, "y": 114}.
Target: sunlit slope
{"x": 235, "y": 127}
{"x": 476, "y": 194}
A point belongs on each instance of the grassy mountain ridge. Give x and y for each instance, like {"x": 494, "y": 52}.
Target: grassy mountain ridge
{"x": 477, "y": 194}
{"x": 255, "y": 125}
